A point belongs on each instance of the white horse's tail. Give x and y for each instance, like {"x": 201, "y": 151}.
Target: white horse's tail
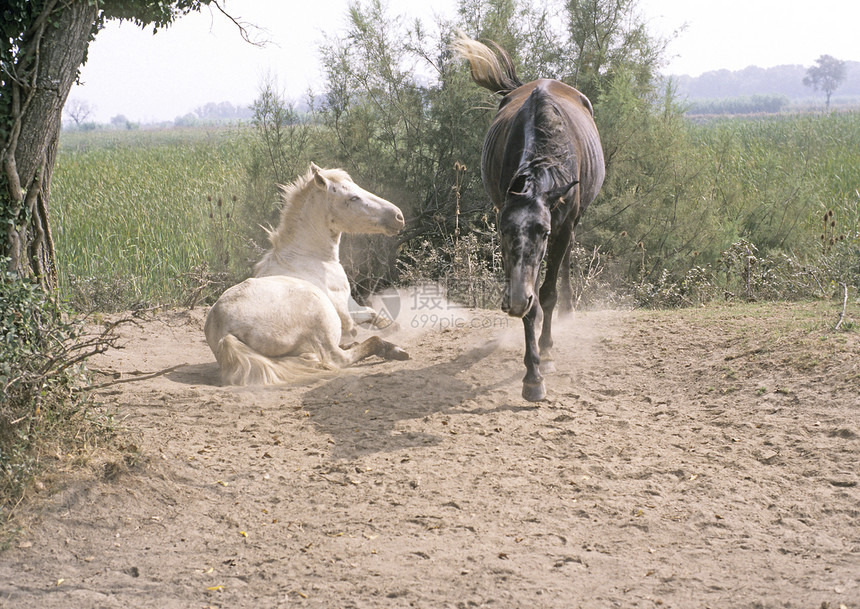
{"x": 241, "y": 365}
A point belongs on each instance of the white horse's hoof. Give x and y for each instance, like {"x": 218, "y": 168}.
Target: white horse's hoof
{"x": 382, "y": 322}
{"x": 534, "y": 392}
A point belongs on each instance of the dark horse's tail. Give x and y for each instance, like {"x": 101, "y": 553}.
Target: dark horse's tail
{"x": 492, "y": 69}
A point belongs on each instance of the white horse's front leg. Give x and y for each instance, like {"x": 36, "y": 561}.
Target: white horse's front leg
{"x": 348, "y": 329}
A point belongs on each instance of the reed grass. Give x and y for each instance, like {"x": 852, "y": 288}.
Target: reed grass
{"x": 135, "y": 211}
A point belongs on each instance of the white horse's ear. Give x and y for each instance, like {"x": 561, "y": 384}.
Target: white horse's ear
{"x": 318, "y": 177}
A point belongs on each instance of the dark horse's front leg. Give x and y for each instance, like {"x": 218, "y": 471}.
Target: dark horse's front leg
{"x": 559, "y": 246}
{"x": 533, "y": 386}
{"x": 565, "y": 293}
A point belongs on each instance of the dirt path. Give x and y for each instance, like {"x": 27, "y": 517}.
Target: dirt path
{"x": 701, "y": 458}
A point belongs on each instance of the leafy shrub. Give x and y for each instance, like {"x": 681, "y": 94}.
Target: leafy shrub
{"x": 469, "y": 268}
{"x": 41, "y": 353}
{"x": 97, "y": 293}
{"x": 745, "y": 274}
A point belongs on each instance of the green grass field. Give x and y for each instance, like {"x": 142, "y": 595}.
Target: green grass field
{"x": 136, "y": 213}
{"x": 132, "y": 208}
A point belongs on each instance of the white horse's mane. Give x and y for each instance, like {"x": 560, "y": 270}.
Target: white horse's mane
{"x": 294, "y": 196}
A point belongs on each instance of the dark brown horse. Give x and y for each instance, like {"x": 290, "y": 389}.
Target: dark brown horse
{"x": 542, "y": 165}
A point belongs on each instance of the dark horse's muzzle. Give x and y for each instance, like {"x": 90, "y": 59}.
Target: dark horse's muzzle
{"x": 519, "y": 295}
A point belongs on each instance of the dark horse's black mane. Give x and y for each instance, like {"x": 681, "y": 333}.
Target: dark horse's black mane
{"x": 553, "y": 155}
{"x": 547, "y": 159}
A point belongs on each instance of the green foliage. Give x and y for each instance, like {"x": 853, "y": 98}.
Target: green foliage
{"x": 40, "y": 351}
{"x": 282, "y": 137}
{"x": 678, "y": 196}
{"x": 401, "y": 136}
{"x": 22, "y": 37}
{"x": 652, "y": 198}
{"x": 157, "y": 13}
{"x": 280, "y": 147}
{"x": 607, "y": 37}
{"x": 689, "y": 212}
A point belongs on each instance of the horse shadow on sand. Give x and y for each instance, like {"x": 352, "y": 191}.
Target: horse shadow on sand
{"x": 366, "y": 412}
{"x": 370, "y": 413}
{"x": 197, "y": 374}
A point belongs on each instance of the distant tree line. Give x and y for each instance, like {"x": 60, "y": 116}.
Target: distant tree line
{"x": 78, "y": 113}
{"x": 212, "y": 112}
{"x": 785, "y": 80}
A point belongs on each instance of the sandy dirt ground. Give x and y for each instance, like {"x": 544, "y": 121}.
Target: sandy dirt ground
{"x": 699, "y": 458}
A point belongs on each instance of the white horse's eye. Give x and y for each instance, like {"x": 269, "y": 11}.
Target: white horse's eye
{"x": 354, "y": 198}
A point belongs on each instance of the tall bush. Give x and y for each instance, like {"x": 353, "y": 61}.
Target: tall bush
{"x": 41, "y": 352}
{"x": 401, "y": 135}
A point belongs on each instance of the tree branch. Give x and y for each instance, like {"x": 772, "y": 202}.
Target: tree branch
{"x": 242, "y": 26}
{"x": 142, "y": 377}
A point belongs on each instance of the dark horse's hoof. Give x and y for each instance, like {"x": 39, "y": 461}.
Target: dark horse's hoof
{"x": 534, "y": 392}
{"x": 547, "y": 366}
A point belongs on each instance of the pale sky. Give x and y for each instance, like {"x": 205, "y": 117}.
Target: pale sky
{"x": 202, "y": 59}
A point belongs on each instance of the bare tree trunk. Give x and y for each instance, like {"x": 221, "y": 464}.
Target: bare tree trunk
{"x": 44, "y": 72}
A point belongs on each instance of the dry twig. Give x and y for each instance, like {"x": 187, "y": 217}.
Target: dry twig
{"x": 844, "y": 305}
{"x": 141, "y": 377}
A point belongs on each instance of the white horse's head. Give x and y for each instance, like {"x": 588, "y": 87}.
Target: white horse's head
{"x": 353, "y": 209}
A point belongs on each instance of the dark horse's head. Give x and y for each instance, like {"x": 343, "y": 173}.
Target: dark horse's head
{"x": 525, "y": 222}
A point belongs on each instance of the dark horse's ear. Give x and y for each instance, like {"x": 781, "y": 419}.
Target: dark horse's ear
{"x": 520, "y": 185}
{"x": 561, "y": 191}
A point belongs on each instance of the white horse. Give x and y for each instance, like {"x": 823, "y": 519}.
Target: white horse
{"x": 290, "y": 320}
{"x": 307, "y": 241}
